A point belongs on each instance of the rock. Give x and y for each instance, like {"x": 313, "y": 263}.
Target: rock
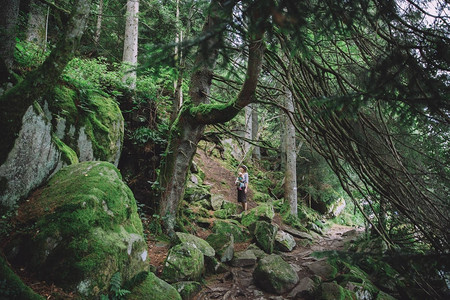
{"x": 195, "y": 193}
{"x": 333, "y": 291}
{"x": 223, "y": 244}
{"x": 383, "y": 296}
{"x": 229, "y": 209}
{"x": 239, "y": 232}
{"x": 41, "y": 149}
{"x": 217, "y": 201}
{"x": 263, "y": 212}
{"x": 305, "y": 288}
{"x": 194, "y": 179}
{"x": 265, "y": 235}
{"x": 205, "y": 204}
{"x": 315, "y": 228}
{"x": 257, "y": 251}
{"x": 213, "y": 266}
{"x": 201, "y": 244}
{"x": 154, "y": 288}
{"x": 284, "y": 241}
{"x": 360, "y": 291}
{"x": 275, "y": 275}
{"x": 323, "y": 269}
{"x": 244, "y": 258}
{"x": 336, "y": 208}
{"x": 85, "y": 217}
{"x": 187, "y": 289}
{"x": 184, "y": 262}
{"x": 297, "y": 233}
{"x": 193, "y": 168}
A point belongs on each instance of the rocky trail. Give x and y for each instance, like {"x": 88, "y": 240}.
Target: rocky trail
{"x": 238, "y": 282}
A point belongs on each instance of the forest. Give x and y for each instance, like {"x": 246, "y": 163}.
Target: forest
{"x": 225, "y": 149}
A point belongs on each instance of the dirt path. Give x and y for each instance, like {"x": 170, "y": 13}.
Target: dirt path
{"x": 238, "y": 283}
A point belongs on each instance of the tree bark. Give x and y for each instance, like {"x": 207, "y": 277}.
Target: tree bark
{"x": 8, "y": 22}
{"x": 130, "y": 44}
{"x": 248, "y": 129}
{"x": 187, "y": 129}
{"x": 98, "y": 27}
{"x": 16, "y": 100}
{"x": 290, "y": 184}
{"x": 255, "y": 132}
{"x": 37, "y": 24}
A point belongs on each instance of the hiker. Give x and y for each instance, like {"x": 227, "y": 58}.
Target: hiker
{"x": 242, "y": 186}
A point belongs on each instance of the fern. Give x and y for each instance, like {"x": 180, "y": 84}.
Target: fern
{"x": 116, "y": 291}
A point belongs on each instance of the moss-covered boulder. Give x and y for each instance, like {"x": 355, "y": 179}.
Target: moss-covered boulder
{"x": 263, "y": 212}
{"x": 244, "y": 258}
{"x": 275, "y": 275}
{"x": 257, "y": 251}
{"x": 323, "y": 269}
{"x": 201, "y": 244}
{"x": 187, "y": 289}
{"x": 196, "y": 192}
{"x": 12, "y": 287}
{"x": 223, "y": 244}
{"x": 69, "y": 127}
{"x": 85, "y": 217}
{"x": 333, "y": 291}
{"x": 217, "y": 201}
{"x": 228, "y": 209}
{"x": 233, "y": 227}
{"x": 184, "y": 262}
{"x": 265, "y": 235}
{"x": 284, "y": 241}
{"x": 154, "y": 288}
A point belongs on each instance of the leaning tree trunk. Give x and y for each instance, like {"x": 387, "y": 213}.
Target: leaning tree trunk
{"x": 15, "y": 102}
{"x": 187, "y": 129}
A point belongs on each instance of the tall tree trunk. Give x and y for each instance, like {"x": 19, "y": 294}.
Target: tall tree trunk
{"x": 130, "y": 44}
{"x": 98, "y": 26}
{"x": 290, "y": 183}
{"x": 255, "y": 132}
{"x": 248, "y": 129}
{"x": 178, "y": 83}
{"x": 37, "y": 23}
{"x": 9, "y": 13}
{"x": 16, "y": 100}
{"x": 195, "y": 115}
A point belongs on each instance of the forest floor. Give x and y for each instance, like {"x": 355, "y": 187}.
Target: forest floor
{"x": 238, "y": 282}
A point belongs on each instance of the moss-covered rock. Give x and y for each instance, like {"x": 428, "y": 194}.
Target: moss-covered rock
{"x": 265, "y": 235}
{"x": 201, "y": 244}
{"x": 263, "y": 212}
{"x": 154, "y": 288}
{"x": 187, "y": 289}
{"x": 223, "y": 244}
{"x": 275, "y": 275}
{"x": 239, "y": 232}
{"x": 196, "y": 192}
{"x": 333, "y": 291}
{"x": 244, "y": 258}
{"x": 184, "y": 262}
{"x": 11, "y": 287}
{"x": 217, "y": 201}
{"x": 257, "y": 251}
{"x": 84, "y": 218}
{"x": 284, "y": 241}
{"x": 323, "y": 269}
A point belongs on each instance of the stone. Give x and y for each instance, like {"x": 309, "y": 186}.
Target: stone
{"x": 274, "y": 275}
{"x": 333, "y": 291}
{"x": 263, "y": 212}
{"x": 239, "y": 232}
{"x": 323, "y": 269}
{"x": 297, "y": 233}
{"x": 284, "y": 241}
{"x": 305, "y": 288}
{"x": 265, "y": 235}
{"x": 217, "y": 201}
{"x": 201, "y": 244}
{"x": 223, "y": 244}
{"x": 383, "y": 296}
{"x": 195, "y": 193}
{"x": 154, "y": 288}
{"x": 214, "y": 266}
{"x": 257, "y": 251}
{"x": 85, "y": 217}
{"x": 315, "y": 228}
{"x": 336, "y": 208}
{"x": 187, "y": 289}
{"x": 244, "y": 258}
{"x": 184, "y": 262}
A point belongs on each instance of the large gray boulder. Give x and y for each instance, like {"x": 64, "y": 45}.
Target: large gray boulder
{"x": 57, "y": 134}
{"x": 85, "y": 217}
{"x": 201, "y": 244}
{"x": 284, "y": 241}
{"x": 265, "y": 235}
{"x": 154, "y": 288}
{"x": 275, "y": 275}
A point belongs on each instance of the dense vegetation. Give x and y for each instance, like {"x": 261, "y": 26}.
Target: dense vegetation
{"x": 365, "y": 85}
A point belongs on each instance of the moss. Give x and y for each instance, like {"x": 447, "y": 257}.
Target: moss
{"x": 239, "y": 233}
{"x": 187, "y": 289}
{"x": 154, "y": 288}
{"x": 264, "y": 211}
{"x": 63, "y": 103}
{"x": 333, "y": 291}
{"x": 184, "y": 262}
{"x": 89, "y": 218}
{"x": 68, "y": 155}
{"x": 12, "y": 287}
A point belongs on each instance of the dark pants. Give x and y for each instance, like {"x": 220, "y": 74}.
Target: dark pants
{"x": 242, "y": 196}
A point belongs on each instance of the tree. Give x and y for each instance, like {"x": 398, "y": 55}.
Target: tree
{"x": 15, "y": 102}
{"x": 37, "y": 23}
{"x": 130, "y": 44}
{"x": 290, "y": 182}
{"x": 8, "y": 22}
{"x": 194, "y": 115}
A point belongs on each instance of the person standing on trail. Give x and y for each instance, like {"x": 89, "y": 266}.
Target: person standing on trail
{"x": 242, "y": 186}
